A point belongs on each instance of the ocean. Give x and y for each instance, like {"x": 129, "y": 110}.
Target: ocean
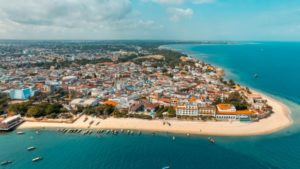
{"x": 277, "y": 65}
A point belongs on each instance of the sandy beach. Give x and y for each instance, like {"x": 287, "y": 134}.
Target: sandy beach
{"x": 280, "y": 119}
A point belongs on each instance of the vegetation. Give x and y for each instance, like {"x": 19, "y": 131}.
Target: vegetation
{"x": 169, "y": 109}
{"x": 100, "y": 110}
{"x": 37, "y": 110}
{"x": 237, "y": 100}
{"x": 140, "y": 116}
{"x": 3, "y": 103}
{"x": 19, "y": 108}
{"x": 231, "y": 83}
{"x": 119, "y": 114}
{"x": 127, "y": 58}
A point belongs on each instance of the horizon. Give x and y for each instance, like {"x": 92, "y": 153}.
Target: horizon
{"x": 176, "y": 20}
{"x": 153, "y": 40}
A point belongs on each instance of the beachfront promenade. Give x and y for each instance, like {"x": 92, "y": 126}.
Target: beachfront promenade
{"x": 280, "y": 119}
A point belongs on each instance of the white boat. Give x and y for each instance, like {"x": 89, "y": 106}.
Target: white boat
{"x": 173, "y": 138}
{"x": 20, "y": 132}
{"x": 31, "y": 148}
{"x": 5, "y": 162}
{"x": 212, "y": 140}
{"x": 166, "y": 167}
{"x": 36, "y": 159}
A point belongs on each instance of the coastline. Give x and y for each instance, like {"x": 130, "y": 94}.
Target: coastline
{"x": 279, "y": 120}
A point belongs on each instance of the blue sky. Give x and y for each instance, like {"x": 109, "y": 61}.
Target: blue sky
{"x": 151, "y": 19}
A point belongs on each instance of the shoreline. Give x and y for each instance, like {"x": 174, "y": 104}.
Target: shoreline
{"x": 279, "y": 120}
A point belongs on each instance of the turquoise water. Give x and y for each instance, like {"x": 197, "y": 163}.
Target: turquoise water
{"x": 277, "y": 65}
{"x": 69, "y": 151}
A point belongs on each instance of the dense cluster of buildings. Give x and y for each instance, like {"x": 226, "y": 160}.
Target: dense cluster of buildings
{"x": 191, "y": 87}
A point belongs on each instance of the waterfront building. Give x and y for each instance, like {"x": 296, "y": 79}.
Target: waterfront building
{"x": 187, "y": 109}
{"x": 207, "y": 111}
{"x": 10, "y": 122}
{"x": 229, "y": 112}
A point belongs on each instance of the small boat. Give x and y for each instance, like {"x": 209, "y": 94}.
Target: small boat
{"x": 5, "y": 162}
{"x": 107, "y": 131}
{"x": 97, "y": 123}
{"x": 212, "y": 140}
{"x": 173, "y": 137}
{"x": 20, "y": 132}
{"x": 166, "y": 167}
{"x": 188, "y": 134}
{"x": 36, "y": 159}
{"x": 255, "y": 75}
{"x": 31, "y": 148}
{"x": 37, "y": 132}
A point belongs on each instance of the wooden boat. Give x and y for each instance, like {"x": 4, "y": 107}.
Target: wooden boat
{"x": 36, "y": 159}
{"x": 5, "y": 162}
{"x": 91, "y": 122}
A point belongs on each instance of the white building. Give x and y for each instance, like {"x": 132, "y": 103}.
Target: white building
{"x": 11, "y": 122}
{"x": 187, "y": 109}
{"x": 84, "y": 102}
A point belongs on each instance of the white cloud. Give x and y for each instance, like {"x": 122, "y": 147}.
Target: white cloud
{"x": 176, "y": 2}
{"x": 169, "y": 1}
{"x": 38, "y": 19}
{"x": 178, "y": 14}
{"x": 63, "y": 12}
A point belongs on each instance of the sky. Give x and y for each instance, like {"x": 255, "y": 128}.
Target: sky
{"x": 267, "y": 20}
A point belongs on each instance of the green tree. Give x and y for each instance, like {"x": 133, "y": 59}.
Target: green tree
{"x": 171, "y": 112}
{"x": 34, "y": 111}
{"x": 231, "y": 83}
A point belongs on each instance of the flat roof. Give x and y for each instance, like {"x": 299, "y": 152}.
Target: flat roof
{"x": 8, "y": 119}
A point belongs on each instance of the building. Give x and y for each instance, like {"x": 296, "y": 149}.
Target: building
{"x": 91, "y": 102}
{"x": 11, "y": 122}
{"x": 207, "y": 111}
{"x": 187, "y": 109}
{"x": 226, "y": 108}
{"x": 229, "y": 112}
{"x": 84, "y": 102}
{"x": 21, "y": 94}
